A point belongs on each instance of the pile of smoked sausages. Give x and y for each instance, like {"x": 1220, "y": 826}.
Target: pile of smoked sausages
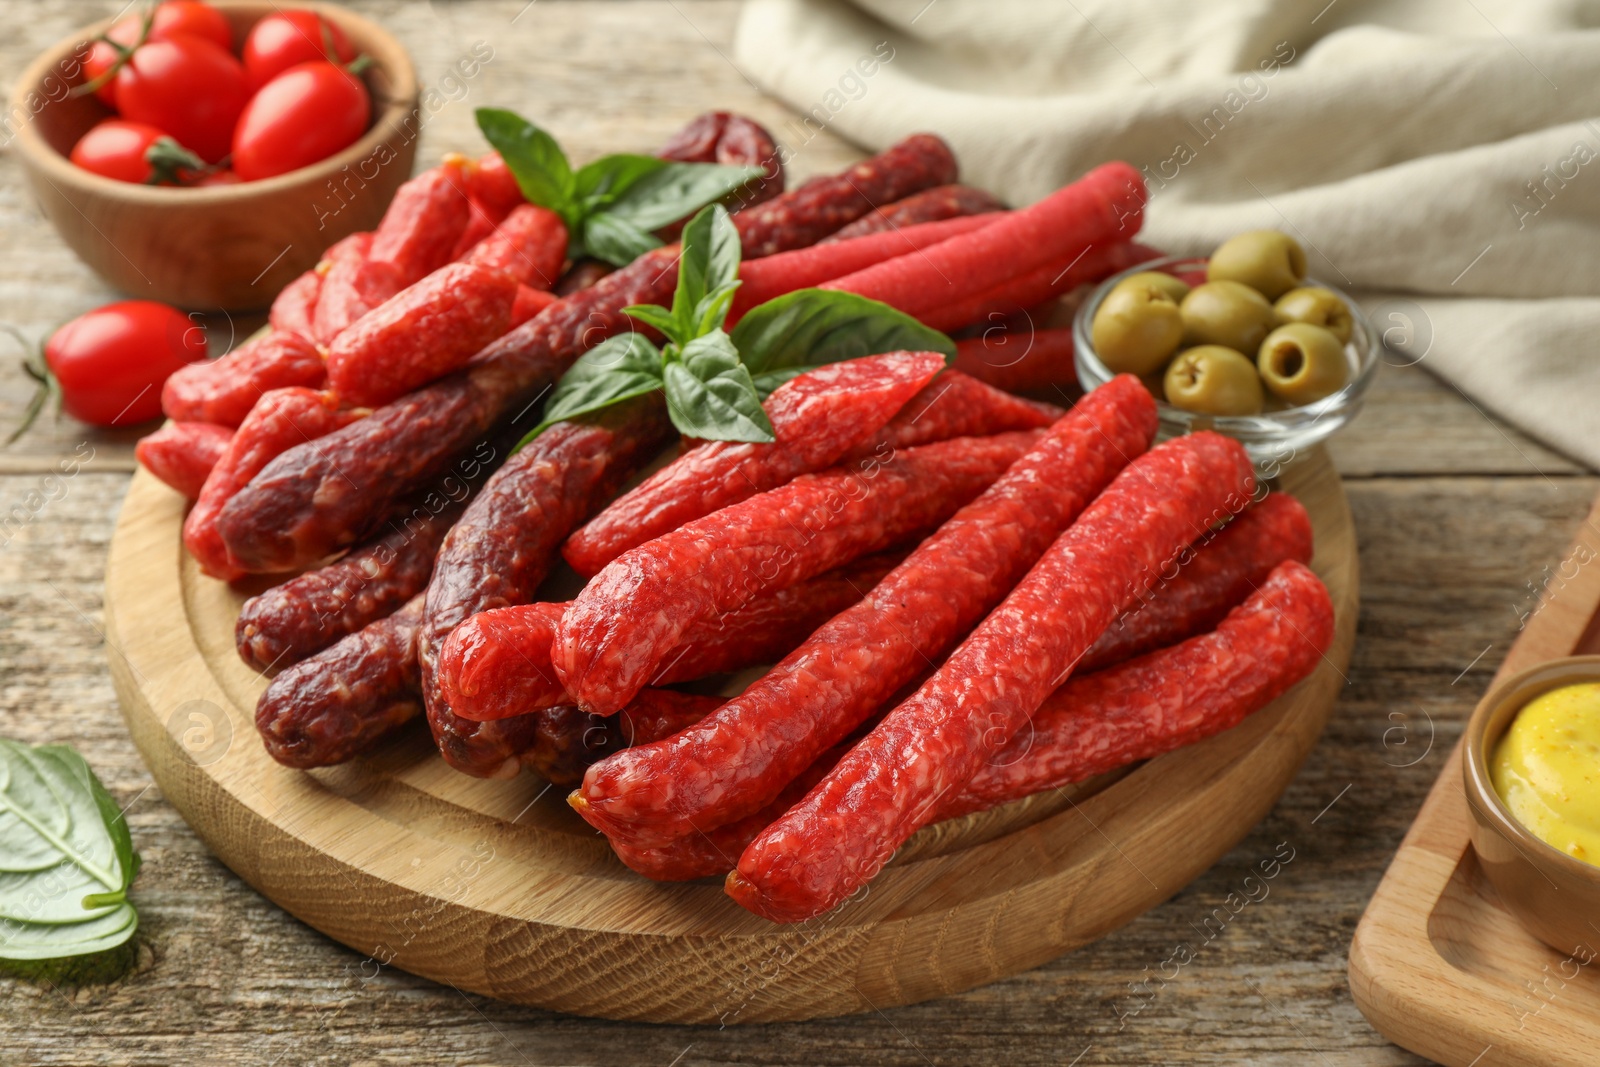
{"x": 969, "y": 596}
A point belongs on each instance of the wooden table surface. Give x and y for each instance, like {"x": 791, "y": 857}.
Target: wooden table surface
{"x": 1460, "y": 518}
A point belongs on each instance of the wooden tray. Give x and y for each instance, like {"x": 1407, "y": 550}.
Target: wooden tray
{"x": 497, "y": 887}
{"x": 1437, "y": 964}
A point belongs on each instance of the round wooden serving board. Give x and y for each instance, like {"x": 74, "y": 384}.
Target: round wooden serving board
{"x": 496, "y": 887}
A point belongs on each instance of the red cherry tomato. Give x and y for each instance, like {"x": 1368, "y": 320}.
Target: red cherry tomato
{"x": 121, "y": 149}
{"x": 307, "y": 113}
{"x": 219, "y": 177}
{"x": 96, "y": 61}
{"x": 187, "y": 86}
{"x": 287, "y": 39}
{"x": 171, "y": 18}
{"x": 112, "y": 362}
{"x": 193, "y": 18}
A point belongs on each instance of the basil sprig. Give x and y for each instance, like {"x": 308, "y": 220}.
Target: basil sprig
{"x": 611, "y": 205}
{"x": 715, "y": 381}
{"x": 66, "y": 858}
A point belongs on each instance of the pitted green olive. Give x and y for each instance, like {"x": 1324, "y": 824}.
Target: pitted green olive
{"x": 1267, "y": 261}
{"x": 1226, "y": 313}
{"x": 1136, "y": 328}
{"x": 1301, "y": 363}
{"x": 1319, "y": 307}
{"x": 1213, "y": 380}
{"x": 1163, "y": 281}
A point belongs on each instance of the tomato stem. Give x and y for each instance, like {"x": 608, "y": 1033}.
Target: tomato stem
{"x": 35, "y": 367}
{"x": 124, "y": 53}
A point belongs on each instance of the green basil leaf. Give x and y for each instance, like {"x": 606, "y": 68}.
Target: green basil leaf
{"x": 617, "y": 241}
{"x": 767, "y": 381}
{"x": 617, "y": 369}
{"x": 709, "y": 262}
{"x": 712, "y": 310}
{"x": 66, "y": 857}
{"x": 710, "y": 395}
{"x": 658, "y": 317}
{"x": 810, "y": 327}
{"x": 535, "y": 160}
{"x": 678, "y": 190}
{"x": 606, "y": 178}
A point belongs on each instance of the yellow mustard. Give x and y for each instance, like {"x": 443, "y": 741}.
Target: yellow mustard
{"x": 1547, "y": 769}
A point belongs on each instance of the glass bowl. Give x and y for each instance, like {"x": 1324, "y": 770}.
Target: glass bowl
{"x": 1273, "y": 438}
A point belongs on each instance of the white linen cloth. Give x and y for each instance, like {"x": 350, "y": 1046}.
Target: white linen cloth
{"x": 1441, "y": 158}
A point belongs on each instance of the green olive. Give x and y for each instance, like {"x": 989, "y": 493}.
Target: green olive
{"x": 1226, "y": 313}
{"x": 1319, "y": 307}
{"x": 1213, "y": 380}
{"x": 1136, "y": 328}
{"x": 1302, "y": 363}
{"x": 1173, "y": 287}
{"x": 1267, "y": 261}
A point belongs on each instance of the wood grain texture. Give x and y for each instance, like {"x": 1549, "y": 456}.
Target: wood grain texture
{"x": 1437, "y": 963}
{"x": 1456, "y": 514}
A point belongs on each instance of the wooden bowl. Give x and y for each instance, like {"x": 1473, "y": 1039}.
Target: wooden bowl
{"x": 1554, "y": 895}
{"x": 225, "y": 247}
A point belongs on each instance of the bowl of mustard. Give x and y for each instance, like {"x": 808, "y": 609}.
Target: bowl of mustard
{"x": 1531, "y": 770}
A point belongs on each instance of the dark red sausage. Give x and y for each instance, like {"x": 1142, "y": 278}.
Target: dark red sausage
{"x": 619, "y": 631}
{"x": 824, "y": 205}
{"x": 306, "y": 614}
{"x": 345, "y": 699}
{"x": 183, "y": 453}
{"x": 280, "y": 420}
{"x": 555, "y": 482}
{"x": 732, "y": 140}
{"x": 223, "y": 390}
{"x": 313, "y": 501}
{"x": 1036, "y": 286}
{"x": 738, "y": 759}
{"x": 932, "y": 205}
{"x": 817, "y": 419}
{"x": 891, "y": 783}
{"x": 1167, "y": 699}
{"x": 1207, "y": 581}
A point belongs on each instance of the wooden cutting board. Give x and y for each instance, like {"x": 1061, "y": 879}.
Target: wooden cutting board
{"x": 498, "y": 888}
{"x": 1438, "y": 964}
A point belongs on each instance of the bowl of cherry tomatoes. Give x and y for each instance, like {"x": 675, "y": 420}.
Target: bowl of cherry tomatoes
{"x": 206, "y": 153}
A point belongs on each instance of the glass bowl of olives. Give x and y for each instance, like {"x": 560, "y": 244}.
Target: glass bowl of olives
{"x": 1241, "y": 342}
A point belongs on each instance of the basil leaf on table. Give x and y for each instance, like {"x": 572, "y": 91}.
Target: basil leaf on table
{"x": 710, "y": 394}
{"x": 534, "y": 158}
{"x": 66, "y": 857}
{"x": 613, "y": 239}
{"x": 617, "y": 369}
{"x": 676, "y": 189}
{"x": 810, "y": 327}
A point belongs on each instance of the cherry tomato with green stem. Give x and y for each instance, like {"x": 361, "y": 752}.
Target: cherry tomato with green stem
{"x": 187, "y": 86}
{"x": 188, "y": 17}
{"x": 288, "y": 38}
{"x": 135, "y": 152}
{"x": 307, "y": 113}
{"x": 107, "y": 367}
